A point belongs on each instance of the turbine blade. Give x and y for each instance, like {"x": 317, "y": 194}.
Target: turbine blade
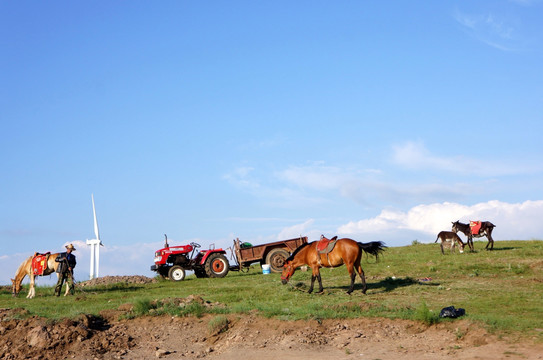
{"x": 96, "y": 232}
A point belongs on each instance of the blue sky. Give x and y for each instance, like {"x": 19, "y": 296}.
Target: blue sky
{"x": 208, "y": 121}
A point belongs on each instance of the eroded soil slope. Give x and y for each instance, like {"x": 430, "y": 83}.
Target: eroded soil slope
{"x": 246, "y": 337}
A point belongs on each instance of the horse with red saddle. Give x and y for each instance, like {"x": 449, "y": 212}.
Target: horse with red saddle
{"x": 476, "y": 229}
{"x": 34, "y": 266}
{"x": 333, "y": 253}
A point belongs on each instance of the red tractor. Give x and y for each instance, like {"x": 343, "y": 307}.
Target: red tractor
{"x": 172, "y": 261}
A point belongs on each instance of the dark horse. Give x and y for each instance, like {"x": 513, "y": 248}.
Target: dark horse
{"x": 345, "y": 251}
{"x": 485, "y": 230}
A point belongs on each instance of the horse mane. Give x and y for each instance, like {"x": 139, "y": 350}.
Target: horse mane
{"x": 298, "y": 249}
{"x": 23, "y": 264}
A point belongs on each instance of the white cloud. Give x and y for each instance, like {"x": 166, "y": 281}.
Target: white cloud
{"x": 241, "y": 177}
{"x": 295, "y": 230}
{"x": 315, "y": 177}
{"x": 285, "y": 193}
{"x": 493, "y": 30}
{"x": 512, "y": 220}
{"x": 366, "y": 187}
{"x": 414, "y": 155}
{"x": 318, "y": 183}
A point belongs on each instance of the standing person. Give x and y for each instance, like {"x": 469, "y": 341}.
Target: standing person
{"x": 65, "y": 269}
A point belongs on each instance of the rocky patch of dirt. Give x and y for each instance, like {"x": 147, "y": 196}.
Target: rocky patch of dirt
{"x": 109, "y": 336}
{"x": 108, "y": 280}
{"x": 231, "y": 337}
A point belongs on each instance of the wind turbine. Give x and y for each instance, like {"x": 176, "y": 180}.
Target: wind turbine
{"x": 95, "y": 246}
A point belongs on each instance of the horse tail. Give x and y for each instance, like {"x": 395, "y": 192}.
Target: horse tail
{"x": 373, "y": 248}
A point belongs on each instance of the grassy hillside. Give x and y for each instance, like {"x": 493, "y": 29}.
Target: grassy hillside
{"x": 501, "y": 289}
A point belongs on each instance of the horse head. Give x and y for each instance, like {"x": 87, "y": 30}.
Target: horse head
{"x": 455, "y": 226}
{"x": 288, "y": 270}
{"x": 15, "y": 287}
{"x": 461, "y": 247}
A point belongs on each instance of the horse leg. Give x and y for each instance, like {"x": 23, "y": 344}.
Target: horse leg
{"x": 312, "y": 282}
{"x": 313, "y": 277}
{"x": 470, "y": 243}
{"x": 69, "y": 284}
{"x": 321, "y": 289}
{"x": 360, "y": 272}
{"x": 31, "y": 290}
{"x": 490, "y": 242}
{"x": 316, "y": 274}
{"x": 350, "y": 268}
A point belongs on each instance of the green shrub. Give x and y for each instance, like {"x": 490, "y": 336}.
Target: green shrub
{"x": 426, "y": 315}
{"x": 142, "y": 307}
{"x": 217, "y": 325}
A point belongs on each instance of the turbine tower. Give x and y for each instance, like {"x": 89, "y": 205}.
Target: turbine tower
{"x": 95, "y": 246}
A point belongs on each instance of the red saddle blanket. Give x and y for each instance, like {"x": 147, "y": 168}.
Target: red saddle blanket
{"x": 475, "y": 227}
{"x": 325, "y": 245}
{"x": 39, "y": 263}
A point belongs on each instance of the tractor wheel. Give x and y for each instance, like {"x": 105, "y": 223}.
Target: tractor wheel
{"x": 217, "y": 266}
{"x": 276, "y": 258}
{"x": 176, "y": 273}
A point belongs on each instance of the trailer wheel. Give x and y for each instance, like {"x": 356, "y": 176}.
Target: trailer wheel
{"x": 217, "y": 266}
{"x": 276, "y": 258}
{"x": 176, "y": 273}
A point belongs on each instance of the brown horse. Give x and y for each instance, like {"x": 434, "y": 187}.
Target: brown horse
{"x": 450, "y": 239}
{"x": 485, "y": 230}
{"x": 25, "y": 269}
{"x": 346, "y": 251}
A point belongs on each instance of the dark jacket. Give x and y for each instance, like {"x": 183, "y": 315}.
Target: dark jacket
{"x": 66, "y": 260}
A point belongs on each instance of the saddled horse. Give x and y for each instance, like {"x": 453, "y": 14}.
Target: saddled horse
{"x": 485, "y": 230}
{"x": 25, "y": 269}
{"x": 450, "y": 239}
{"x": 346, "y": 252}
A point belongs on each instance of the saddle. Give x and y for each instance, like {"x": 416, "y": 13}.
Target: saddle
{"x": 39, "y": 263}
{"x": 475, "y": 227}
{"x": 325, "y": 246}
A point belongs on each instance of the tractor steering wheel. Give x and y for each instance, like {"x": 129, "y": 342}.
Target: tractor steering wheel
{"x": 195, "y": 245}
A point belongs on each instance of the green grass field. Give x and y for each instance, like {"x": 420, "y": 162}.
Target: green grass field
{"x": 502, "y": 290}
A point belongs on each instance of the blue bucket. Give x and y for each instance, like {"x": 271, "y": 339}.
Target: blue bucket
{"x": 265, "y": 268}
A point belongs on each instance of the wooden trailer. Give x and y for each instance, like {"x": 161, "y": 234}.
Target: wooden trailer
{"x": 274, "y": 253}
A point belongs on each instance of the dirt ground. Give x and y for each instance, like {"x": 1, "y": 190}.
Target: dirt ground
{"x": 246, "y": 337}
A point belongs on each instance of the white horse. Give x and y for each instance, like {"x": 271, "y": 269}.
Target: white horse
{"x": 26, "y": 269}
